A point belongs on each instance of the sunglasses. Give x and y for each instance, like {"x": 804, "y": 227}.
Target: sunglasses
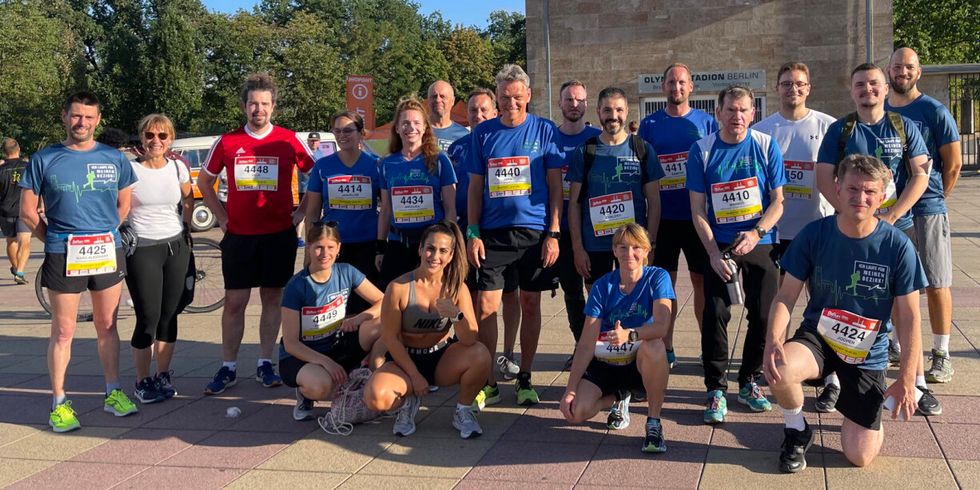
{"x": 344, "y": 131}
{"x": 160, "y": 136}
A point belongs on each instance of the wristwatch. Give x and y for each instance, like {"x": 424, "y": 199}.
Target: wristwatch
{"x": 761, "y": 231}
{"x": 633, "y": 335}
{"x": 554, "y": 234}
{"x": 456, "y": 318}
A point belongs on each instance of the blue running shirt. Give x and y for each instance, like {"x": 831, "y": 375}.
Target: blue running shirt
{"x": 416, "y": 194}
{"x": 322, "y": 307}
{"x": 350, "y": 195}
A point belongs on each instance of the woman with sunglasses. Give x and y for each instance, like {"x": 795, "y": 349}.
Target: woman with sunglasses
{"x": 322, "y": 340}
{"x": 344, "y": 188}
{"x": 157, "y": 270}
{"x": 418, "y": 188}
{"x": 418, "y": 311}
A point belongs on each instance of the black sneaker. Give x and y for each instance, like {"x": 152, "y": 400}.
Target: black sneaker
{"x": 795, "y": 445}
{"x": 147, "y": 391}
{"x": 165, "y": 384}
{"x": 929, "y": 404}
{"x": 894, "y": 356}
{"x": 827, "y": 401}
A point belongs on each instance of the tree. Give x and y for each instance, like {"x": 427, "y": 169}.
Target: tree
{"x": 470, "y": 59}
{"x": 311, "y": 80}
{"x": 940, "y": 31}
{"x": 508, "y": 38}
{"x": 177, "y": 63}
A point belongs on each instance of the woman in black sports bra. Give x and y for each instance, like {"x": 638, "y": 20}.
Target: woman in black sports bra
{"x": 418, "y": 310}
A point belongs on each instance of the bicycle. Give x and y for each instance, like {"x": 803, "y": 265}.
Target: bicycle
{"x": 209, "y": 291}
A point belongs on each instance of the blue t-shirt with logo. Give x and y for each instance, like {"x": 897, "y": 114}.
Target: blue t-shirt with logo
{"x": 349, "y": 194}
{"x": 879, "y": 140}
{"x": 327, "y": 302}
{"x": 446, "y": 136}
{"x": 938, "y": 129}
{"x": 671, "y": 138}
{"x": 736, "y": 182}
{"x": 615, "y": 179}
{"x": 860, "y": 276}
{"x": 608, "y": 303}
{"x": 567, "y": 145}
{"x": 459, "y": 154}
{"x": 514, "y": 163}
{"x": 415, "y": 194}
{"x": 80, "y": 190}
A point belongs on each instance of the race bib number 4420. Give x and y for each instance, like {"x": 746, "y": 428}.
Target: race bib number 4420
{"x": 509, "y": 176}
{"x": 736, "y": 201}
{"x": 610, "y": 212}
{"x": 256, "y": 173}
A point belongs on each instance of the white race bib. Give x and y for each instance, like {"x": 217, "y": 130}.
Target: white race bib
{"x": 351, "y": 192}
{"x": 412, "y": 204}
{"x": 675, "y": 171}
{"x": 320, "y": 322}
{"x": 736, "y": 201}
{"x": 891, "y": 197}
{"x": 509, "y": 176}
{"x": 799, "y": 180}
{"x": 850, "y": 336}
{"x": 89, "y": 255}
{"x": 620, "y": 355}
{"x": 256, "y": 173}
{"x": 610, "y": 212}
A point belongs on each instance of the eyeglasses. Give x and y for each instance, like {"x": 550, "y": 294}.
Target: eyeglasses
{"x": 788, "y": 85}
{"x": 344, "y": 131}
{"x": 160, "y": 136}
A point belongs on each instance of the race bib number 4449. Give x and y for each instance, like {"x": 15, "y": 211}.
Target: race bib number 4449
{"x": 509, "y": 176}
{"x": 319, "y": 322}
{"x": 257, "y": 173}
{"x": 736, "y": 201}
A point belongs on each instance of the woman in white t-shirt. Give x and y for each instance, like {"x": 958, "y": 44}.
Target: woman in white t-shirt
{"x": 156, "y": 271}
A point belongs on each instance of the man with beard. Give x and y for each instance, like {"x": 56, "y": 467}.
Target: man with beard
{"x": 259, "y": 246}
{"x": 671, "y": 131}
{"x": 930, "y": 221}
{"x": 614, "y": 181}
{"x": 441, "y": 99}
{"x": 736, "y": 177}
{"x": 573, "y": 101}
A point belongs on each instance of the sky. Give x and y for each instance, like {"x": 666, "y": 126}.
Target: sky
{"x": 466, "y": 12}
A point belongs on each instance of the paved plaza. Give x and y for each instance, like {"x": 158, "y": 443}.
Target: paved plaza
{"x": 188, "y": 442}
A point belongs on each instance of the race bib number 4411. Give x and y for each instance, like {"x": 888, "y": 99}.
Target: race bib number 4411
{"x": 257, "y": 173}
{"x": 509, "y": 176}
{"x": 736, "y": 201}
{"x": 675, "y": 171}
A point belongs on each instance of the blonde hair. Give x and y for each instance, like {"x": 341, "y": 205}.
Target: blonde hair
{"x": 157, "y": 120}
{"x": 633, "y": 234}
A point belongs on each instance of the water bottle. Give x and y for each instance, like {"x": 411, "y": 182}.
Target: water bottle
{"x": 734, "y": 285}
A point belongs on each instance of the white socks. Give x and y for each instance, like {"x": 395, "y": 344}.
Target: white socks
{"x": 831, "y": 380}
{"x": 794, "y": 418}
{"x": 230, "y": 365}
{"x": 941, "y": 343}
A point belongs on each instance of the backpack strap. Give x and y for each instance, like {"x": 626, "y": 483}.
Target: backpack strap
{"x": 849, "y": 121}
{"x": 640, "y": 150}
{"x": 588, "y": 158}
{"x": 895, "y": 119}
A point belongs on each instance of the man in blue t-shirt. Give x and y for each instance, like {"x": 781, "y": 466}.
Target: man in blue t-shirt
{"x": 671, "y": 131}
{"x": 86, "y": 188}
{"x": 573, "y": 102}
{"x": 440, "y": 99}
{"x": 930, "y": 221}
{"x": 858, "y": 268}
{"x": 514, "y": 214}
{"x": 736, "y": 177}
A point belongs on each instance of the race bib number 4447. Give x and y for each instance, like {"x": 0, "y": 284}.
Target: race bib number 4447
{"x": 849, "y": 335}
{"x": 509, "y": 176}
{"x": 736, "y": 201}
{"x": 257, "y": 173}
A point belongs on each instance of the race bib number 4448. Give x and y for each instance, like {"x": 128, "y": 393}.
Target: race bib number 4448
{"x": 257, "y": 173}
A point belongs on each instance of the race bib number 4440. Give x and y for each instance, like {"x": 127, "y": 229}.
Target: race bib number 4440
{"x": 736, "y": 201}
{"x": 849, "y": 335}
{"x": 257, "y": 173}
{"x": 509, "y": 176}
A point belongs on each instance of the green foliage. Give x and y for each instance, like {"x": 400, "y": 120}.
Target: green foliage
{"x": 508, "y": 37}
{"x": 940, "y": 31}
{"x": 471, "y": 61}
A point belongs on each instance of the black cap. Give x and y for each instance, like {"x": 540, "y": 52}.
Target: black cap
{"x": 313, "y": 136}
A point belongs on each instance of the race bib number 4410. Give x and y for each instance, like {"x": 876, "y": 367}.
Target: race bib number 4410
{"x": 257, "y": 173}
{"x": 509, "y": 176}
{"x": 736, "y": 201}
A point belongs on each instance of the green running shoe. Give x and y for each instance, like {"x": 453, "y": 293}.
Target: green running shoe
{"x": 751, "y": 395}
{"x": 118, "y": 404}
{"x": 62, "y": 418}
{"x": 525, "y": 392}
{"x": 489, "y": 395}
{"x": 716, "y": 407}
{"x": 654, "y": 440}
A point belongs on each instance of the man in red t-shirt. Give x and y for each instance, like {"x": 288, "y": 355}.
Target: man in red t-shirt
{"x": 259, "y": 247}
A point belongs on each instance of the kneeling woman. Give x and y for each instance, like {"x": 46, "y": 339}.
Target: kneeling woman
{"x": 418, "y": 310}
{"x": 320, "y": 343}
{"x": 621, "y": 349}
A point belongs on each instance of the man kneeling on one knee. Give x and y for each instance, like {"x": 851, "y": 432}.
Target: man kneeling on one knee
{"x": 858, "y": 267}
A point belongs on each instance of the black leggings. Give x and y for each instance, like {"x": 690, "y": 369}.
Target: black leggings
{"x": 155, "y": 277}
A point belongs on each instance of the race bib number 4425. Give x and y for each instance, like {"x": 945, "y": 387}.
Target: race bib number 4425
{"x": 89, "y": 255}
{"x": 509, "y": 176}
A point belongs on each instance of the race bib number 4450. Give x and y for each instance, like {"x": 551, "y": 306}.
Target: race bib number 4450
{"x": 736, "y": 201}
{"x": 509, "y": 176}
{"x": 799, "y": 180}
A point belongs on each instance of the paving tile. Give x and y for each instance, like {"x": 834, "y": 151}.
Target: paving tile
{"x": 628, "y": 466}
{"x": 540, "y": 424}
{"x": 276, "y": 418}
{"x": 428, "y": 458}
{"x": 287, "y": 479}
{"x": 958, "y": 409}
{"x": 755, "y": 435}
{"x": 967, "y": 473}
{"x": 25, "y": 409}
{"x": 80, "y": 475}
{"x": 469, "y": 483}
{"x": 726, "y": 467}
{"x": 164, "y": 478}
{"x": 534, "y": 462}
{"x": 8, "y": 380}
{"x": 495, "y": 421}
{"x": 328, "y": 453}
{"x": 52, "y": 446}
{"x": 12, "y": 470}
{"x": 887, "y": 472}
{"x": 206, "y": 414}
{"x": 228, "y": 449}
{"x": 396, "y": 482}
{"x": 679, "y": 432}
{"x": 959, "y": 441}
{"x": 143, "y": 446}
{"x": 907, "y": 440}
{"x": 12, "y": 432}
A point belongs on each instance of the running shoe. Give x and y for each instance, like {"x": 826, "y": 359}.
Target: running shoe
{"x": 929, "y": 404}
{"x": 225, "y": 378}
{"x": 525, "y": 392}
{"x": 148, "y": 392}
{"x": 671, "y": 358}
{"x": 751, "y": 395}
{"x": 118, "y": 404}
{"x": 639, "y": 396}
{"x": 507, "y": 368}
{"x": 489, "y": 395}
{"x": 465, "y": 421}
{"x": 405, "y": 417}
{"x": 941, "y": 370}
{"x": 894, "y": 356}
{"x": 619, "y": 414}
{"x": 266, "y": 374}
{"x": 827, "y": 401}
{"x": 19, "y": 278}
{"x": 795, "y": 444}
{"x": 716, "y": 407}
{"x": 654, "y": 440}
{"x": 165, "y": 384}
{"x": 303, "y": 409}
{"x": 62, "y": 418}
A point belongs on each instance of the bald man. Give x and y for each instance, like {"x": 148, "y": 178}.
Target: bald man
{"x": 441, "y": 99}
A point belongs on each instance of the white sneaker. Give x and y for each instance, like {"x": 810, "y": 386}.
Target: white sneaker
{"x": 506, "y": 368}
{"x": 405, "y": 418}
{"x": 303, "y": 409}
{"x": 465, "y": 421}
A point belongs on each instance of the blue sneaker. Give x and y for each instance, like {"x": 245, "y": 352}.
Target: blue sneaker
{"x": 225, "y": 378}
{"x": 147, "y": 391}
{"x": 671, "y": 358}
{"x": 751, "y": 395}
{"x": 716, "y": 407}
{"x": 266, "y": 374}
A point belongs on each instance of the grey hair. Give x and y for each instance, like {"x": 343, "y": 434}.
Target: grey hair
{"x": 512, "y": 73}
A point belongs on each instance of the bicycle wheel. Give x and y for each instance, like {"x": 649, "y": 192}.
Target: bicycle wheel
{"x": 84, "y": 302}
{"x": 209, "y": 286}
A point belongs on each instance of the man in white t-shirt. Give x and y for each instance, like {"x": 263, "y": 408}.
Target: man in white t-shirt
{"x": 799, "y": 130}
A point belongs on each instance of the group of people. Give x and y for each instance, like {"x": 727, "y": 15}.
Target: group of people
{"x": 409, "y": 257}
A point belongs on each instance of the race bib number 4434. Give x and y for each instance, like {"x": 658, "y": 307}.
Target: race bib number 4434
{"x": 412, "y": 204}
{"x": 736, "y": 201}
{"x": 509, "y": 176}
{"x": 257, "y": 173}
